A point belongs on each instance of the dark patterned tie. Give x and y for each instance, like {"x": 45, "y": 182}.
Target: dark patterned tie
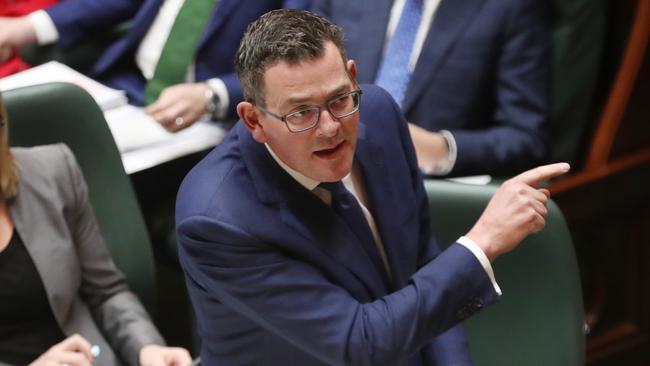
{"x": 347, "y": 207}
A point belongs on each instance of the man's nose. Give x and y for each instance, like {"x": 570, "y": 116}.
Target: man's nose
{"x": 328, "y": 126}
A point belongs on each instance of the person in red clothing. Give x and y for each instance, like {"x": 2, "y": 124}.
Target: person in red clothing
{"x": 12, "y": 63}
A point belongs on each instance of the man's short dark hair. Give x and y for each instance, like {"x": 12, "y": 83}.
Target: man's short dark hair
{"x": 287, "y": 35}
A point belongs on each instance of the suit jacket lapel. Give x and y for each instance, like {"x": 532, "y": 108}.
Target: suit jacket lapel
{"x": 449, "y": 21}
{"x": 143, "y": 20}
{"x": 48, "y": 254}
{"x": 223, "y": 10}
{"x": 386, "y": 209}
{"x": 308, "y": 216}
{"x": 373, "y": 34}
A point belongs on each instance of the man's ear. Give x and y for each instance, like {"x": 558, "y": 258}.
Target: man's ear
{"x": 250, "y": 116}
{"x": 352, "y": 71}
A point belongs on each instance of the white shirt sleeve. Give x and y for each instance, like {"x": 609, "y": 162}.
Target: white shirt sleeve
{"x": 444, "y": 166}
{"x": 46, "y": 32}
{"x": 482, "y": 258}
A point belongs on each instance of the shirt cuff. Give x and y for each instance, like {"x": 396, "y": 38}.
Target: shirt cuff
{"x": 482, "y": 258}
{"x": 444, "y": 166}
{"x": 219, "y": 88}
{"x": 44, "y": 27}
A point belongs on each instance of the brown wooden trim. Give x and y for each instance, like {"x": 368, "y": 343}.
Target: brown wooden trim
{"x": 617, "y": 101}
{"x": 598, "y": 172}
{"x": 617, "y": 339}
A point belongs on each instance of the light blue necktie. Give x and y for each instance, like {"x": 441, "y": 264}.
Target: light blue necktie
{"x": 394, "y": 70}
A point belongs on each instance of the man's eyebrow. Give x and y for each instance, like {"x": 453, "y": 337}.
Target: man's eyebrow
{"x": 304, "y": 98}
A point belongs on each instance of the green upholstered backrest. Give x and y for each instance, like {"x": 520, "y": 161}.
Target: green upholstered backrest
{"x": 61, "y": 112}
{"x": 578, "y": 39}
{"x": 539, "y": 319}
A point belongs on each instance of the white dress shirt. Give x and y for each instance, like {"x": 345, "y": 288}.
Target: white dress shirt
{"x": 352, "y": 182}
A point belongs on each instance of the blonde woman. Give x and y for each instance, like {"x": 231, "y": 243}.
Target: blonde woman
{"x": 60, "y": 291}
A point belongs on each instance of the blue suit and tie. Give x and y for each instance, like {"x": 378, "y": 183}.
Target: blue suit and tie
{"x": 77, "y": 19}
{"x": 482, "y": 74}
{"x": 277, "y": 278}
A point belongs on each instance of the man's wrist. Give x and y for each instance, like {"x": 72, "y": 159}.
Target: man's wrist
{"x": 482, "y": 257}
{"x": 44, "y": 29}
{"x": 445, "y": 164}
{"x": 221, "y": 96}
{"x": 212, "y": 102}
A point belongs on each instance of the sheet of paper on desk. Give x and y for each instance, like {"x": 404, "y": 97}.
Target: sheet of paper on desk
{"x": 144, "y": 143}
{"x": 132, "y": 128}
{"x": 54, "y": 71}
{"x": 200, "y": 136}
{"x": 478, "y": 180}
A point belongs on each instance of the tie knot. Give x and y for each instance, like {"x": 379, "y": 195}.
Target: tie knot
{"x": 336, "y": 188}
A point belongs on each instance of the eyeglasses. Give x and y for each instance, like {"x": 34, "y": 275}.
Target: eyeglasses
{"x": 307, "y": 118}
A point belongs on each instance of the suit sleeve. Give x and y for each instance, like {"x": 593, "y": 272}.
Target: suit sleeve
{"x": 116, "y": 310}
{"x": 519, "y": 136}
{"x": 450, "y": 347}
{"x": 293, "y": 299}
{"x": 76, "y": 20}
{"x": 321, "y": 7}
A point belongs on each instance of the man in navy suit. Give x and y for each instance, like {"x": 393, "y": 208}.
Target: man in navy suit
{"x": 211, "y": 84}
{"x": 477, "y": 97}
{"x": 304, "y": 235}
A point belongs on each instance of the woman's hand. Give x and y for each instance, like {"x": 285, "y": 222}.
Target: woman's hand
{"x": 73, "y": 351}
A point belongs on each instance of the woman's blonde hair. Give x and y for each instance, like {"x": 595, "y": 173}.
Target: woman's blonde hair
{"x": 8, "y": 170}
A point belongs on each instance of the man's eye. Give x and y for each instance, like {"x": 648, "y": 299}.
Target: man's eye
{"x": 342, "y": 99}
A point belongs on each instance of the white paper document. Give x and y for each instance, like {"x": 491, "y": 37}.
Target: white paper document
{"x": 54, "y": 71}
{"x": 142, "y": 142}
{"x": 477, "y": 180}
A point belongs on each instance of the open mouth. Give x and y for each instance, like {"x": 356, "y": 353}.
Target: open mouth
{"x": 330, "y": 153}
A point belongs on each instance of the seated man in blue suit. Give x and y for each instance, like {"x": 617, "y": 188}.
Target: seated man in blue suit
{"x": 471, "y": 76}
{"x": 304, "y": 235}
{"x": 205, "y": 80}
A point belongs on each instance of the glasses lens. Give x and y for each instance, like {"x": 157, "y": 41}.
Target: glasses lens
{"x": 302, "y": 119}
{"x": 344, "y": 105}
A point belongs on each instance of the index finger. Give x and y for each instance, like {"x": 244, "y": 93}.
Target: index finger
{"x": 542, "y": 173}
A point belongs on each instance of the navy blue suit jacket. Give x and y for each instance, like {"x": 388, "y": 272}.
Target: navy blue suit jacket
{"x": 276, "y": 279}
{"x": 77, "y": 19}
{"x": 483, "y": 74}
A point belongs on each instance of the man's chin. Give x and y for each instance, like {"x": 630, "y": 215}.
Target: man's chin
{"x": 337, "y": 172}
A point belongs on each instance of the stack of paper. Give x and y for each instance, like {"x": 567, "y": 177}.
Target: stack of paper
{"x": 143, "y": 142}
{"x": 53, "y": 71}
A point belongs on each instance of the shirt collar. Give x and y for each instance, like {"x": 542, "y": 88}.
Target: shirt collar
{"x": 305, "y": 181}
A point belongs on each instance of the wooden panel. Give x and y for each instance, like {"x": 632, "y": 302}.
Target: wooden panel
{"x": 607, "y": 205}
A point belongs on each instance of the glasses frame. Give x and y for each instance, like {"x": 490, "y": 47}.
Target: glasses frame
{"x": 319, "y": 107}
